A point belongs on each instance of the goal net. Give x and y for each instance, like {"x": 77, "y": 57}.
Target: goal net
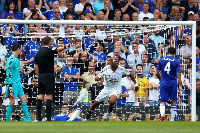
{"x": 134, "y": 42}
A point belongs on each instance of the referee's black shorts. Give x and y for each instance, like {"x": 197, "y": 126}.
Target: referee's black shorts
{"x": 46, "y": 83}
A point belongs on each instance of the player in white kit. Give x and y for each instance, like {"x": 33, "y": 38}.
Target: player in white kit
{"x": 112, "y": 75}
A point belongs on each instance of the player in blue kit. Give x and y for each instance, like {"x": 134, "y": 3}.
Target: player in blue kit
{"x": 170, "y": 71}
{"x": 13, "y": 83}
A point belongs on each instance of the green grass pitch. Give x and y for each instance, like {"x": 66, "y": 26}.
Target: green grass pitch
{"x": 100, "y": 127}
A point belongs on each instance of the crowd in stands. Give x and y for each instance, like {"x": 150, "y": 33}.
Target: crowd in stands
{"x": 90, "y": 47}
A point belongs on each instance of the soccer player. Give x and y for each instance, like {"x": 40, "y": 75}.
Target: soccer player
{"x": 112, "y": 90}
{"x": 65, "y": 115}
{"x": 170, "y": 70}
{"x": 13, "y": 84}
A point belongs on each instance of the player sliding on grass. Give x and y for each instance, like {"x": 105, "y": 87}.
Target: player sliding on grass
{"x": 13, "y": 83}
{"x": 65, "y": 115}
{"x": 112, "y": 90}
{"x": 170, "y": 70}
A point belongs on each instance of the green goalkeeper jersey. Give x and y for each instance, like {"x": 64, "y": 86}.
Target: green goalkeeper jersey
{"x": 12, "y": 70}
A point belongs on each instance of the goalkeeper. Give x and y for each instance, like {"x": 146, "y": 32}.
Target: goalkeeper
{"x": 13, "y": 83}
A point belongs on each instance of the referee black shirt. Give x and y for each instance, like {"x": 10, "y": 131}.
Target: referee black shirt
{"x": 45, "y": 59}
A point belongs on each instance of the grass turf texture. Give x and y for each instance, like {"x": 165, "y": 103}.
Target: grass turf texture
{"x": 100, "y": 127}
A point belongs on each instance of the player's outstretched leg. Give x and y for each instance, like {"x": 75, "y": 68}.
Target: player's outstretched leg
{"x": 91, "y": 110}
{"x": 8, "y": 112}
{"x": 112, "y": 101}
{"x": 162, "y": 111}
{"x": 25, "y": 110}
{"x": 75, "y": 114}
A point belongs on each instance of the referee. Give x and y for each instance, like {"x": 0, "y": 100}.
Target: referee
{"x": 44, "y": 67}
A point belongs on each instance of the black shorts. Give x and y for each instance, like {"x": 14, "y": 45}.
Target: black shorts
{"x": 46, "y": 83}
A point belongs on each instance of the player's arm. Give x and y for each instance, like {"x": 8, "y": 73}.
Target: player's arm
{"x": 179, "y": 81}
{"x": 131, "y": 75}
{"x": 37, "y": 70}
{"x": 158, "y": 74}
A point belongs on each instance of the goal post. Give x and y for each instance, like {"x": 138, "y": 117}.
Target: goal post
{"x": 87, "y": 22}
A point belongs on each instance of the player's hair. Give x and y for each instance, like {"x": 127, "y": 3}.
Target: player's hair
{"x": 16, "y": 46}
{"x": 139, "y": 65}
{"x": 171, "y": 50}
{"x": 64, "y": 104}
{"x": 46, "y": 40}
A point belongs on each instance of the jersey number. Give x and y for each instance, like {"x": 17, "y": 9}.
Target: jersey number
{"x": 167, "y": 68}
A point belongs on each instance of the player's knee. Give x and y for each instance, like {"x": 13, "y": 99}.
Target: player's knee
{"x": 112, "y": 102}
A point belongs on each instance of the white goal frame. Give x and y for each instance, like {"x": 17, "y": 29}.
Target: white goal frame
{"x": 88, "y": 22}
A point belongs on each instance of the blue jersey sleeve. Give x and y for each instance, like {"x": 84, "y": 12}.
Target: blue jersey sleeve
{"x": 178, "y": 69}
{"x": 158, "y": 66}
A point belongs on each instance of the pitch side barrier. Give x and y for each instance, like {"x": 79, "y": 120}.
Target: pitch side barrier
{"x": 120, "y": 113}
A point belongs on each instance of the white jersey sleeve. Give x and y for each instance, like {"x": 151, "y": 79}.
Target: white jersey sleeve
{"x": 124, "y": 71}
{"x": 103, "y": 71}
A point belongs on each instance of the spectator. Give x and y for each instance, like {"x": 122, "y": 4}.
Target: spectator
{"x": 123, "y": 50}
{"x": 145, "y": 64}
{"x": 186, "y": 51}
{"x": 88, "y": 6}
{"x": 109, "y": 14}
{"x": 196, "y": 4}
{"x": 156, "y": 37}
{"x": 151, "y": 72}
{"x": 163, "y": 10}
{"x": 101, "y": 56}
{"x": 49, "y": 14}
{"x": 70, "y": 10}
{"x": 78, "y": 48}
{"x": 89, "y": 77}
{"x": 161, "y": 53}
{"x": 11, "y": 11}
{"x": 31, "y": 91}
{"x": 35, "y": 15}
{"x": 83, "y": 96}
{"x": 154, "y": 87}
{"x": 196, "y": 18}
{"x": 175, "y": 11}
{"x": 101, "y": 16}
{"x": 79, "y": 32}
{"x": 135, "y": 16}
{"x": 140, "y": 4}
{"x": 134, "y": 57}
{"x": 126, "y": 17}
{"x": 189, "y": 6}
{"x": 198, "y": 71}
{"x": 117, "y": 15}
{"x": 145, "y": 12}
{"x": 99, "y": 5}
{"x": 129, "y": 7}
{"x": 63, "y": 5}
{"x": 101, "y": 33}
{"x": 70, "y": 74}
{"x": 117, "y": 53}
{"x": 156, "y": 14}
{"x": 82, "y": 62}
{"x": 149, "y": 46}
{"x": 136, "y": 39}
{"x": 41, "y": 32}
{"x": 79, "y": 7}
{"x": 11, "y": 32}
{"x": 88, "y": 14}
{"x": 89, "y": 42}
{"x": 94, "y": 90}
{"x": 30, "y": 48}
{"x": 130, "y": 87}
{"x": 142, "y": 94}
{"x": 31, "y": 5}
{"x": 122, "y": 62}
